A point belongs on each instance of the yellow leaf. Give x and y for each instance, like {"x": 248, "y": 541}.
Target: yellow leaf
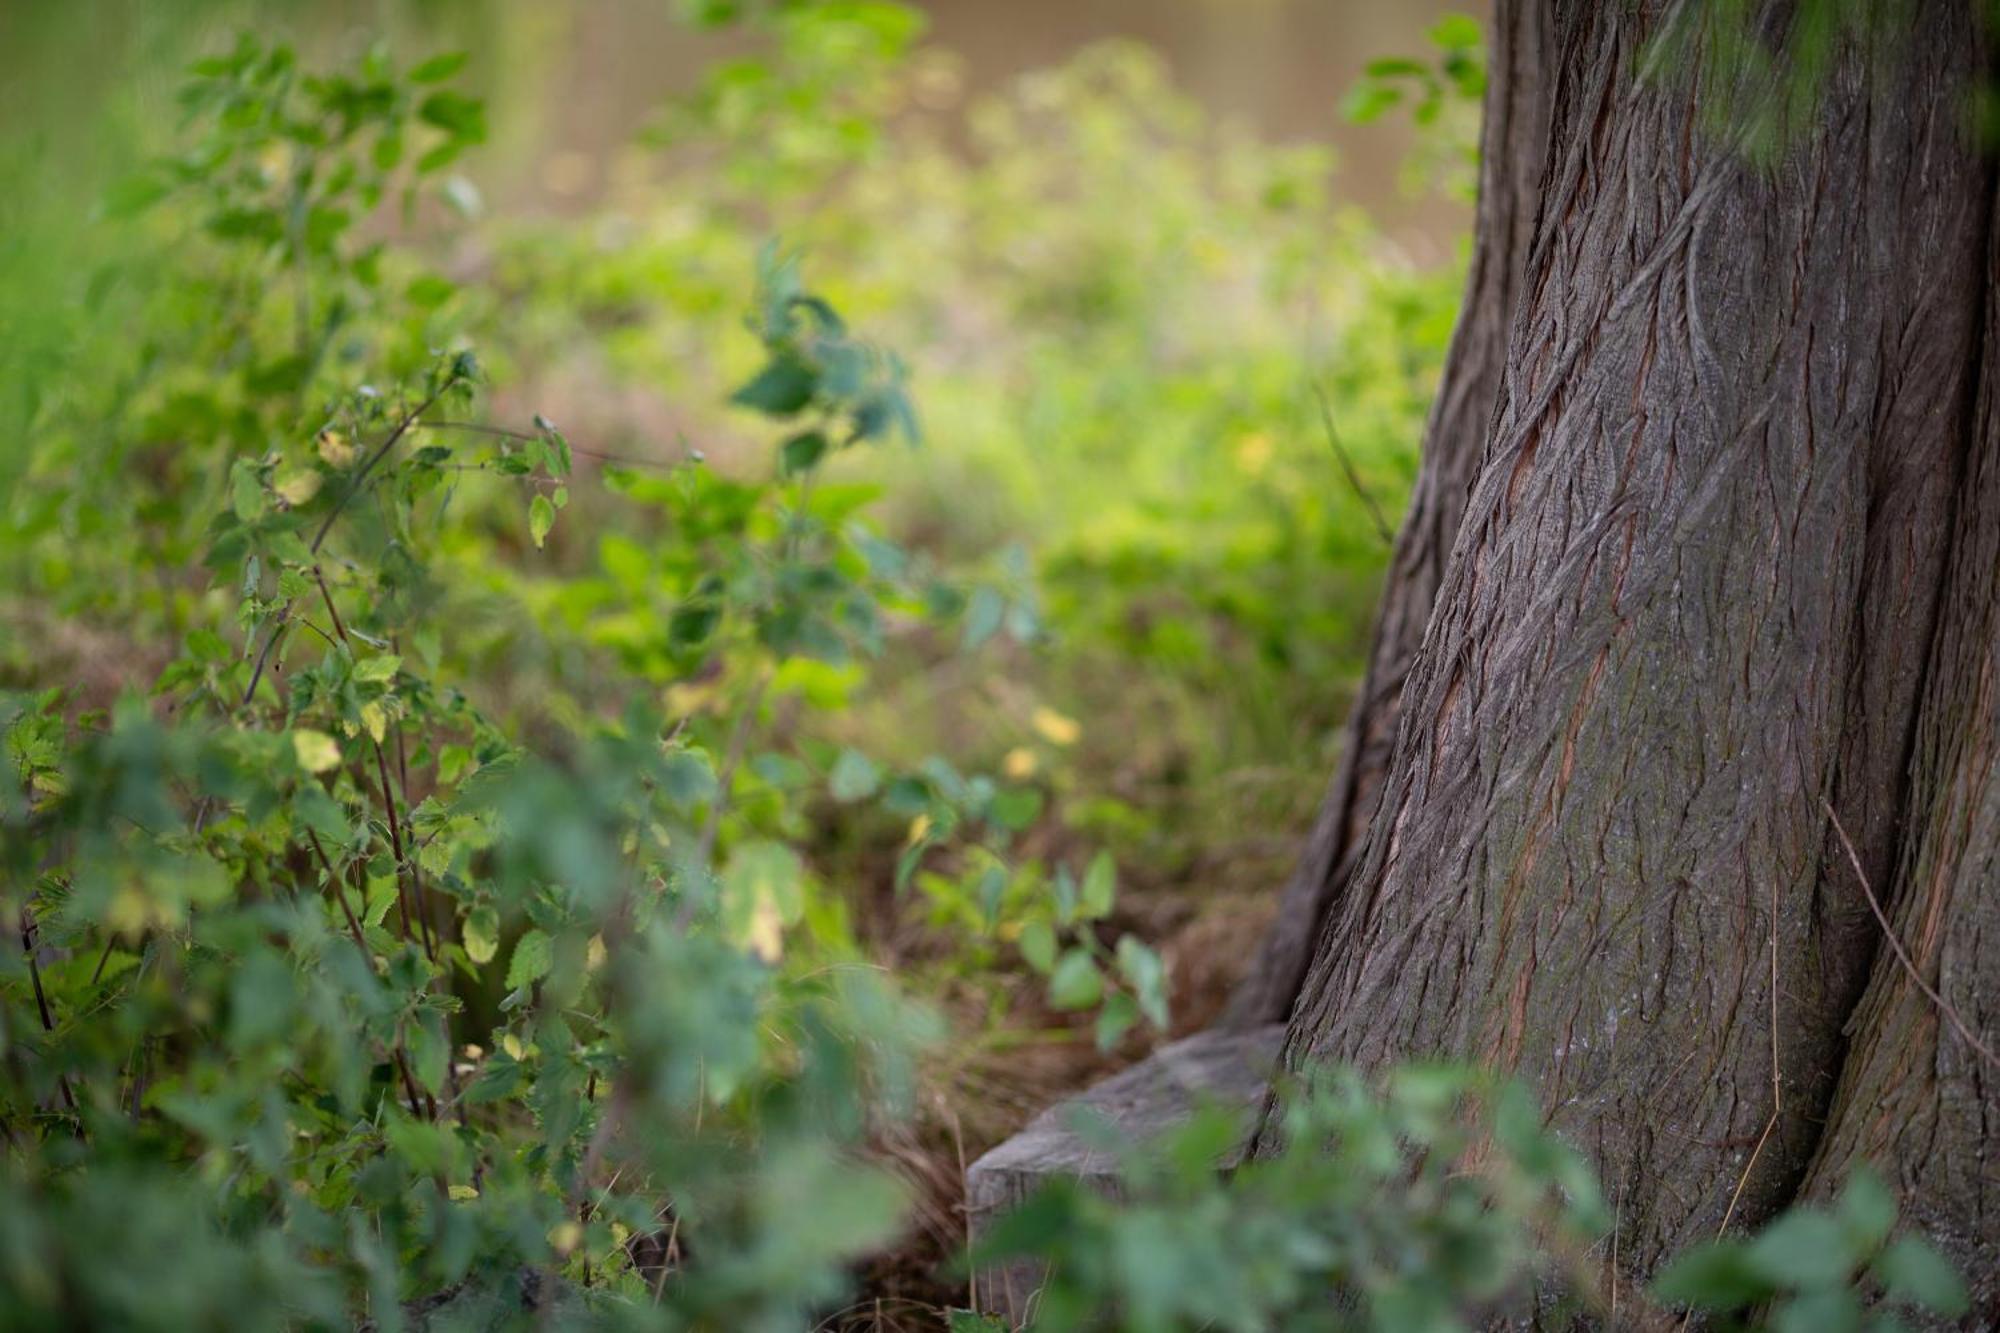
{"x": 512, "y": 1045}
{"x": 594, "y": 954}
{"x": 480, "y": 939}
{"x": 1253, "y": 453}
{"x": 918, "y": 828}
{"x": 687, "y": 700}
{"x": 565, "y": 1236}
{"x": 463, "y": 1192}
{"x": 1054, "y": 727}
{"x": 1019, "y": 763}
{"x": 316, "y": 751}
{"x": 335, "y": 448}
{"x": 376, "y": 719}
{"x": 767, "y": 931}
{"x": 297, "y": 485}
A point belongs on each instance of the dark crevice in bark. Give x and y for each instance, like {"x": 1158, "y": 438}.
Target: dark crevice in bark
{"x": 1840, "y": 896}
{"x": 1915, "y": 1099}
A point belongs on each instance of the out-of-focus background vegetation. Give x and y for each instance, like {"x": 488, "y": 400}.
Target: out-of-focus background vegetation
{"x": 1118, "y": 243}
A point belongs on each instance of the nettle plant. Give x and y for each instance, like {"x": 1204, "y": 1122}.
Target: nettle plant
{"x": 765, "y": 598}
{"x": 334, "y": 999}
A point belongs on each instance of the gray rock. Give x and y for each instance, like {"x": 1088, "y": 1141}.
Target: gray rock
{"x": 1230, "y": 1068}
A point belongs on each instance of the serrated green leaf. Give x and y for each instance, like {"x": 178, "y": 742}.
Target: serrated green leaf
{"x": 781, "y": 389}
{"x": 533, "y": 955}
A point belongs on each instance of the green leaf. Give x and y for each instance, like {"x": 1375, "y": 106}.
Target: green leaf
{"x": 1716, "y": 1275}
{"x": 801, "y": 453}
{"x": 481, "y": 934}
{"x": 533, "y": 954}
{"x": 1802, "y": 1249}
{"x": 462, "y": 117}
{"x": 983, "y": 616}
{"x": 854, "y": 777}
{"x": 687, "y": 779}
{"x": 1075, "y": 983}
{"x": 1457, "y": 31}
{"x": 1911, "y": 1270}
{"x": 541, "y": 517}
{"x": 1014, "y": 809}
{"x": 438, "y": 68}
{"x": 1834, "y": 1310}
{"x": 1867, "y": 1210}
{"x": 315, "y": 750}
{"x": 1038, "y": 945}
{"x": 781, "y": 389}
{"x": 378, "y": 669}
{"x": 1100, "y": 887}
{"x": 1114, "y": 1020}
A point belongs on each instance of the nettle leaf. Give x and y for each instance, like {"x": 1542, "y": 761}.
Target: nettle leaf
{"x": 782, "y": 388}
{"x": 801, "y": 453}
{"x": 534, "y": 954}
{"x": 378, "y": 669}
{"x": 541, "y": 518}
{"x": 687, "y": 779}
{"x": 481, "y": 934}
{"x": 316, "y": 751}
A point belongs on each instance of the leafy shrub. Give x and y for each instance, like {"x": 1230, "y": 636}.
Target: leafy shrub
{"x": 1415, "y": 1208}
{"x": 1431, "y": 1199}
{"x": 337, "y": 993}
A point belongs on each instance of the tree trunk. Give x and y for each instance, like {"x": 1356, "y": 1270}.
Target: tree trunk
{"x": 1512, "y": 143}
{"x": 1691, "y": 608}
{"x": 1920, "y": 1091}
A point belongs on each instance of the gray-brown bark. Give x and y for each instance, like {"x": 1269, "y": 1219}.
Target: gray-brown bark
{"x": 1920, "y": 1095}
{"x": 1512, "y": 143}
{"x": 1690, "y": 604}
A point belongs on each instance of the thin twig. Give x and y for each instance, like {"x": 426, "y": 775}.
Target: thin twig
{"x": 506, "y": 433}
{"x": 1896, "y": 946}
{"x": 1382, "y": 527}
{"x": 42, "y": 1005}
{"x": 326, "y": 524}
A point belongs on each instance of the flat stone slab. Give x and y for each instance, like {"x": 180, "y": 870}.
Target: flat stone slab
{"x": 1226, "y": 1068}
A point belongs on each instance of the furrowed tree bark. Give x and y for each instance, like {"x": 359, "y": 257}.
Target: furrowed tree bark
{"x": 1689, "y": 607}
{"x": 1512, "y": 143}
{"x": 1920, "y": 1093}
